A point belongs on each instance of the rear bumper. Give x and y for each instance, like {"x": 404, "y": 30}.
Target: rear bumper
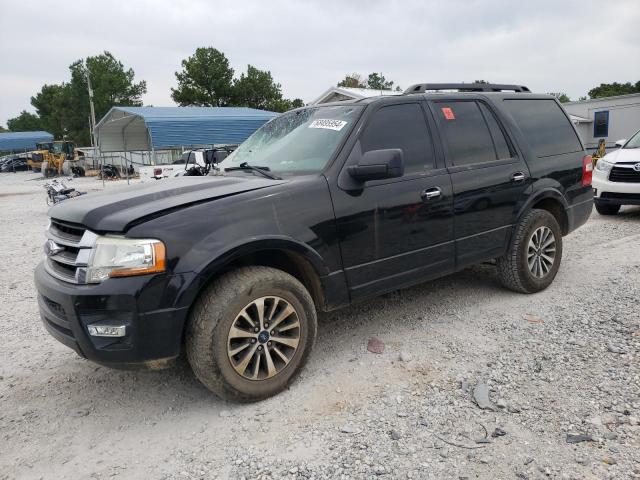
{"x": 153, "y": 329}
{"x": 578, "y": 214}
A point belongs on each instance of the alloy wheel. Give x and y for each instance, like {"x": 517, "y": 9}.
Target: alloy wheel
{"x": 263, "y": 338}
{"x": 541, "y": 252}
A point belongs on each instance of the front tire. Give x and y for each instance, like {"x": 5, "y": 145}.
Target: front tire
{"x": 534, "y": 255}
{"x": 250, "y": 333}
{"x": 607, "y": 208}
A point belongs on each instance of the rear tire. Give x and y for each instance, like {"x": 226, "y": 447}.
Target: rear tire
{"x": 607, "y": 208}
{"x": 230, "y": 345}
{"x": 534, "y": 255}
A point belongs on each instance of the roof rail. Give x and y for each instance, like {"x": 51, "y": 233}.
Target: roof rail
{"x": 465, "y": 87}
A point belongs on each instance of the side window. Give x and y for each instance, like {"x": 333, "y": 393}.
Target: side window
{"x": 601, "y": 124}
{"x": 465, "y": 132}
{"x": 499, "y": 141}
{"x": 401, "y": 126}
{"x": 545, "y": 126}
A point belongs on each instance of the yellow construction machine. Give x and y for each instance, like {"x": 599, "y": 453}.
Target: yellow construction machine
{"x": 54, "y": 154}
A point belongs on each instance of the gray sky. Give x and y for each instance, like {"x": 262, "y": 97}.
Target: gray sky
{"x": 558, "y": 45}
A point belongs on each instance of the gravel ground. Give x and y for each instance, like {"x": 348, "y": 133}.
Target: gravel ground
{"x": 557, "y": 372}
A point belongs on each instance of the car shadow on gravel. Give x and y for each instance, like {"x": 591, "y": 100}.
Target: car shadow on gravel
{"x": 479, "y": 280}
{"x": 130, "y": 386}
{"x": 629, "y": 213}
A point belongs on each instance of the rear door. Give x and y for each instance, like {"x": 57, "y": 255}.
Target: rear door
{"x": 397, "y": 231}
{"x": 489, "y": 179}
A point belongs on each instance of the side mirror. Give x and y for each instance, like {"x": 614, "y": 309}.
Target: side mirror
{"x": 378, "y": 165}
{"x": 620, "y": 143}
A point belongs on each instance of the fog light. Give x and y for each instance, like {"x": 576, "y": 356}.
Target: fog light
{"x": 106, "y": 330}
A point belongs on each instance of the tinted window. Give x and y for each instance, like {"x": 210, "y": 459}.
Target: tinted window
{"x": 466, "y": 133}
{"x": 545, "y": 126}
{"x": 601, "y": 124}
{"x": 401, "y": 126}
{"x": 499, "y": 141}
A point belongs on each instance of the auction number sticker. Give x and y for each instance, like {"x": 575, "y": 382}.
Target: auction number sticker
{"x": 328, "y": 124}
{"x": 448, "y": 113}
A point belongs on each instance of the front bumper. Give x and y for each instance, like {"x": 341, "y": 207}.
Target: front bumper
{"x": 144, "y": 304}
{"x": 614, "y": 193}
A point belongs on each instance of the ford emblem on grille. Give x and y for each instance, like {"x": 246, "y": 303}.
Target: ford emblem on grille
{"x": 636, "y": 167}
{"x": 51, "y": 248}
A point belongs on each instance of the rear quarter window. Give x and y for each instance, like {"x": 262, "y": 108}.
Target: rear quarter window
{"x": 545, "y": 126}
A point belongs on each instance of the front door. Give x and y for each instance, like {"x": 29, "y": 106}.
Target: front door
{"x": 489, "y": 178}
{"x": 398, "y": 231}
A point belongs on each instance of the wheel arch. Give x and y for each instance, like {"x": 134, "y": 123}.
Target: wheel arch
{"x": 553, "y": 202}
{"x": 295, "y": 258}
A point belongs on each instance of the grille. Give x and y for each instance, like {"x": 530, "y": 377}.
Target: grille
{"x": 55, "y": 307}
{"x": 624, "y": 173}
{"x": 72, "y": 248}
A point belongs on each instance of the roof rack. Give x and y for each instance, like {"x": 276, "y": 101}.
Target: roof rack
{"x": 465, "y": 87}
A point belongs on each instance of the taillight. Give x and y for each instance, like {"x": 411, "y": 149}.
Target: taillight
{"x": 587, "y": 170}
{"x": 157, "y": 172}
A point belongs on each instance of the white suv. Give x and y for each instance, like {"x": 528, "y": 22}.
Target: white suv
{"x": 616, "y": 178}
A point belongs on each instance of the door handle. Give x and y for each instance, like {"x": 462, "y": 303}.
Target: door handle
{"x": 431, "y": 193}
{"x": 518, "y": 177}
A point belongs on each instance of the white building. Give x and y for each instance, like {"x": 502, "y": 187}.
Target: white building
{"x": 338, "y": 94}
{"x": 611, "y": 118}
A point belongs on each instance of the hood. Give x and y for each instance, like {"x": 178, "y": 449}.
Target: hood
{"x": 115, "y": 211}
{"x": 623, "y": 155}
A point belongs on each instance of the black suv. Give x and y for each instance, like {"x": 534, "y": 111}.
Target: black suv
{"x": 321, "y": 207}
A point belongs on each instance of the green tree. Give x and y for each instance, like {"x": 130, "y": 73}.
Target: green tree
{"x": 25, "y": 122}
{"x": 2, "y": 129}
{"x": 378, "y": 82}
{"x": 374, "y": 81}
{"x": 52, "y": 103}
{"x": 283, "y": 104}
{"x": 353, "y": 80}
{"x": 112, "y": 84}
{"x": 561, "y": 96}
{"x": 256, "y": 89}
{"x": 206, "y": 79}
{"x": 613, "y": 89}
{"x": 64, "y": 108}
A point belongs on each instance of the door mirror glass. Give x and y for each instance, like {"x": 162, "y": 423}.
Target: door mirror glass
{"x": 620, "y": 143}
{"x": 378, "y": 165}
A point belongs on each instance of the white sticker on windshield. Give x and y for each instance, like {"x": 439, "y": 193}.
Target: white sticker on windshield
{"x": 329, "y": 124}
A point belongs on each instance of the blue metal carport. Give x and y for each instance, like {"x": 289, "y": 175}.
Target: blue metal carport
{"x": 21, "y": 141}
{"x": 125, "y": 129}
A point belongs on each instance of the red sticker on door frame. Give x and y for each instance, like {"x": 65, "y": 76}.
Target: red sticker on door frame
{"x": 448, "y": 113}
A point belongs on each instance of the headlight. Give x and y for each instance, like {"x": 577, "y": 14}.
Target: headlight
{"x": 125, "y": 257}
{"x": 604, "y": 166}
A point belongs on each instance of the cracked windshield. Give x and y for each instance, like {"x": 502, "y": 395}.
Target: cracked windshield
{"x": 298, "y": 142}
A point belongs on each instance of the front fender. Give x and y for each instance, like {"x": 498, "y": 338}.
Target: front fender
{"x": 218, "y": 260}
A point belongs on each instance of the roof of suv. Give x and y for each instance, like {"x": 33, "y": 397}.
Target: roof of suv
{"x": 450, "y": 90}
{"x": 436, "y": 96}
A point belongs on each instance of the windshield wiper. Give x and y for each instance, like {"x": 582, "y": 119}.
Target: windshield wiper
{"x": 262, "y": 170}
